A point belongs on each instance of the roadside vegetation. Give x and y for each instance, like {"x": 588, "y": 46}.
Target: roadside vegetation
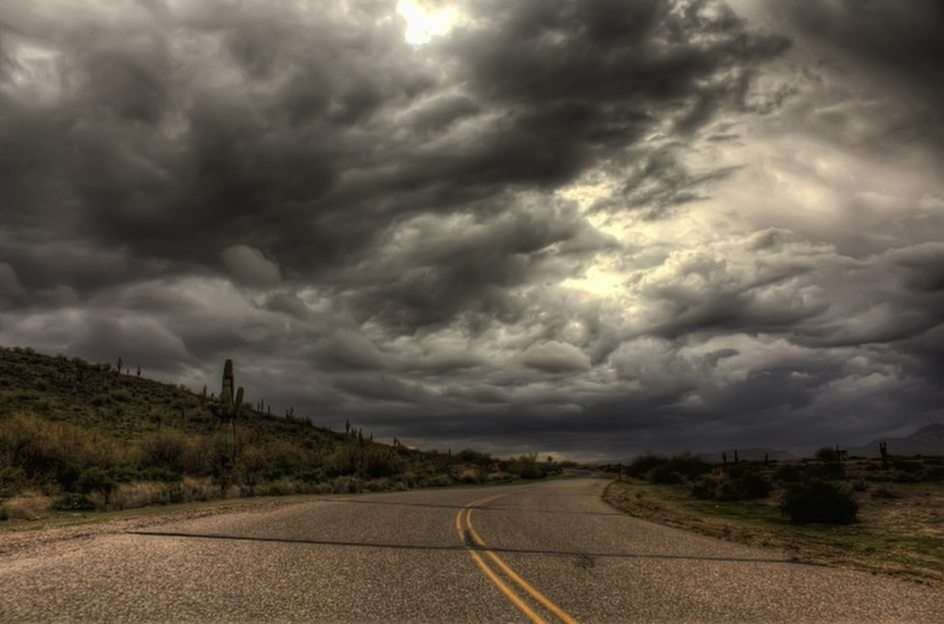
{"x": 884, "y": 515}
{"x": 79, "y": 436}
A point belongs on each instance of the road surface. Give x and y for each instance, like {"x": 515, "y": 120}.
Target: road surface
{"x": 548, "y": 552}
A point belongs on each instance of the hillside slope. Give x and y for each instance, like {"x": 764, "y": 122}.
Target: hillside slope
{"x": 90, "y": 436}
{"x": 96, "y": 396}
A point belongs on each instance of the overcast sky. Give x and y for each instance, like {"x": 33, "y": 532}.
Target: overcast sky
{"x": 579, "y": 227}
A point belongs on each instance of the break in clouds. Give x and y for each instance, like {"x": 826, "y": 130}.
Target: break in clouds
{"x": 580, "y": 227}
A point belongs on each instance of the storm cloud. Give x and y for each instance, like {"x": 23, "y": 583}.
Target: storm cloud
{"x": 581, "y": 227}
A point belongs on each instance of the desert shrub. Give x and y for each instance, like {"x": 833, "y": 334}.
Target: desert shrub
{"x": 900, "y": 476}
{"x": 859, "y": 485}
{"x": 819, "y": 501}
{"x": 469, "y": 456}
{"x": 689, "y": 466}
{"x": 12, "y": 479}
{"x": 70, "y": 501}
{"x": 95, "y": 479}
{"x": 642, "y": 465}
{"x": 827, "y": 454}
{"x": 439, "y": 480}
{"x": 664, "y": 475}
{"x": 159, "y": 473}
{"x": 219, "y": 461}
{"x": 660, "y": 469}
{"x": 497, "y": 477}
{"x": 469, "y": 475}
{"x": 789, "y": 473}
{"x": 344, "y": 460}
{"x": 4, "y": 514}
{"x": 100, "y": 400}
{"x": 934, "y": 473}
{"x": 167, "y": 449}
{"x": 827, "y": 470}
{"x": 524, "y": 469}
{"x": 346, "y": 485}
{"x": 705, "y": 487}
{"x": 377, "y": 485}
{"x": 281, "y": 487}
{"x": 381, "y": 462}
{"x": 53, "y": 452}
{"x": 909, "y": 466}
{"x": 748, "y": 486}
{"x": 281, "y": 458}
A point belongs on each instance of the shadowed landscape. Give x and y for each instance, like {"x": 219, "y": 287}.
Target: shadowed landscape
{"x": 76, "y": 436}
{"x": 471, "y": 311}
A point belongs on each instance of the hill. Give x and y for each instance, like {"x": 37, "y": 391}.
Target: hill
{"x": 88, "y": 435}
{"x": 98, "y": 397}
{"x": 928, "y": 440}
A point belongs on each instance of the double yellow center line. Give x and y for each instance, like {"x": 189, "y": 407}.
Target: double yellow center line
{"x": 476, "y": 545}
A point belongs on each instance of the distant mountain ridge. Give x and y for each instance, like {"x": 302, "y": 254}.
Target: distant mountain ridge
{"x": 928, "y": 440}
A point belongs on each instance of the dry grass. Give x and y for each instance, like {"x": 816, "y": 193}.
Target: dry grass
{"x": 901, "y": 536}
{"x": 28, "y": 506}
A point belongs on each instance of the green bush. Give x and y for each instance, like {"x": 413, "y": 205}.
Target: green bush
{"x": 660, "y": 469}
{"x": 526, "y": 470}
{"x": 167, "y": 450}
{"x": 159, "y": 473}
{"x": 748, "y": 486}
{"x": 642, "y": 465}
{"x": 12, "y": 480}
{"x": 469, "y": 456}
{"x": 381, "y": 462}
{"x": 705, "y": 487}
{"x": 664, "y": 475}
{"x": 95, "y": 479}
{"x": 70, "y": 501}
{"x": 819, "y": 501}
{"x": 53, "y": 452}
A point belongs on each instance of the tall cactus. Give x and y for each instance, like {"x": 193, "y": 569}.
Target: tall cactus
{"x": 230, "y": 405}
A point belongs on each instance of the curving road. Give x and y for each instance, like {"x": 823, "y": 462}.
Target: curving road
{"x": 548, "y": 552}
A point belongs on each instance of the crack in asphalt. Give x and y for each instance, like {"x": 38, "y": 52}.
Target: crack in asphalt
{"x": 581, "y": 555}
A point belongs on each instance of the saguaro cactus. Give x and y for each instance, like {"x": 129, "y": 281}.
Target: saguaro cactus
{"x": 883, "y": 449}
{"x": 230, "y": 402}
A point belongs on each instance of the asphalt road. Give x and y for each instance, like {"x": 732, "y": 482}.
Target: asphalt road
{"x": 549, "y": 552}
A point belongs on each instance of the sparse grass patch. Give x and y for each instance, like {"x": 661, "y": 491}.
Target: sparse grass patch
{"x": 902, "y": 536}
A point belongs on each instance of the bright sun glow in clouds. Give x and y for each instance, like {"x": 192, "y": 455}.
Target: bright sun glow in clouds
{"x": 425, "y": 20}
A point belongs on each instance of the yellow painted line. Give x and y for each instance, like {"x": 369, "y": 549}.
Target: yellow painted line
{"x": 509, "y": 572}
{"x": 490, "y": 575}
{"x": 546, "y": 602}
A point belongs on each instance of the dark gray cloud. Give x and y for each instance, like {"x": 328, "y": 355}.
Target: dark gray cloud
{"x": 588, "y": 227}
